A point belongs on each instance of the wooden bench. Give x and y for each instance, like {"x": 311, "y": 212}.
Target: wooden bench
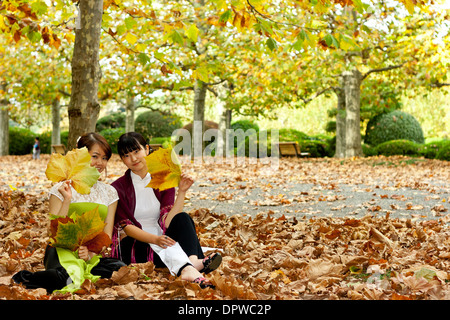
{"x": 59, "y": 148}
{"x": 291, "y": 148}
{"x": 155, "y": 147}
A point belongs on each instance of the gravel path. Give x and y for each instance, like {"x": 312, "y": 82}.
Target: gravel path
{"x": 311, "y": 200}
{"x": 424, "y": 196}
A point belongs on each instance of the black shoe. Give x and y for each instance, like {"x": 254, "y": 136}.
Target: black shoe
{"x": 211, "y": 262}
{"x": 22, "y": 277}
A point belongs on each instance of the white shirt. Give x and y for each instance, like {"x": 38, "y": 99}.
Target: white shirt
{"x": 100, "y": 193}
{"x": 147, "y": 213}
{"x": 147, "y": 208}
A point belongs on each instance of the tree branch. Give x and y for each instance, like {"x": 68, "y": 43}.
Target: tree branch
{"x": 212, "y": 91}
{"x": 216, "y": 83}
{"x": 256, "y": 12}
{"x": 439, "y": 84}
{"x": 382, "y": 69}
{"x": 171, "y": 87}
{"x": 64, "y": 93}
{"x": 108, "y": 95}
{"x": 317, "y": 94}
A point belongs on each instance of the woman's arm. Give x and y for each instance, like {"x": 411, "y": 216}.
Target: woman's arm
{"x": 108, "y": 229}
{"x": 185, "y": 183}
{"x": 58, "y": 207}
{"x": 143, "y": 236}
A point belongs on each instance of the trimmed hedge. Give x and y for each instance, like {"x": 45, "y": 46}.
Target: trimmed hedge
{"x": 292, "y": 135}
{"x": 444, "y": 153}
{"x": 21, "y": 141}
{"x": 397, "y": 147}
{"x": 165, "y": 141}
{"x": 46, "y": 140}
{"x": 430, "y": 150}
{"x": 368, "y": 151}
{"x": 244, "y": 125}
{"x": 112, "y": 136}
{"x": 316, "y": 148}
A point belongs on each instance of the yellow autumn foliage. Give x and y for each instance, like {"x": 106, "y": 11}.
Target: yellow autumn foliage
{"x": 165, "y": 169}
{"x": 74, "y": 166}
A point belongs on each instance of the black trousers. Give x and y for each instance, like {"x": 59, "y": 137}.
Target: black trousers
{"x": 55, "y": 276}
{"x": 181, "y": 229}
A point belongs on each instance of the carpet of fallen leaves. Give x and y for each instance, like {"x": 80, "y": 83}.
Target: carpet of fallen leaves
{"x": 266, "y": 256}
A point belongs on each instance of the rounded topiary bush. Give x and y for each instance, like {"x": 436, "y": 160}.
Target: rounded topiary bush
{"x": 396, "y": 125}
{"x": 111, "y": 121}
{"x": 155, "y": 124}
{"x": 397, "y": 147}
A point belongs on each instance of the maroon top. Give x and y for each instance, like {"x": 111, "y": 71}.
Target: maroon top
{"x": 126, "y": 205}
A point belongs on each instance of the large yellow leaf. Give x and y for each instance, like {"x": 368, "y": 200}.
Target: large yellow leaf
{"x": 75, "y": 231}
{"x": 165, "y": 169}
{"x": 131, "y": 38}
{"x": 74, "y": 166}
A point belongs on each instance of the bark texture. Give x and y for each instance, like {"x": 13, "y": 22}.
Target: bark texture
{"x": 352, "y": 87}
{"x": 4, "y": 123}
{"x": 84, "y": 107}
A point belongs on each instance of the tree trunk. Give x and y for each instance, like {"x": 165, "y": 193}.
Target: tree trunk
{"x": 84, "y": 107}
{"x": 352, "y": 89}
{"x": 4, "y": 131}
{"x": 4, "y": 123}
{"x": 129, "y": 120}
{"x": 198, "y": 127}
{"x": 224, "y": 121}
{"x": 56, "y": 120}
{"x": 340, "y": 124}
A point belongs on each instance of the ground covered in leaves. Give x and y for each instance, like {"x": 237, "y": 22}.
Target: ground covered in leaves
{"x": 273, "y": 248}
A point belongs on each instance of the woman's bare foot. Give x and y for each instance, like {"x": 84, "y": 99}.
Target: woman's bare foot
{"x": 190, "y": 273}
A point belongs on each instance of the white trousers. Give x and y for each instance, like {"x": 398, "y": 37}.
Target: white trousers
{"x": 173, "y": 257}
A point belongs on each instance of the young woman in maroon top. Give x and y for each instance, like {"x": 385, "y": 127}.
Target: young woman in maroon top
{"x": 150, "y": 224}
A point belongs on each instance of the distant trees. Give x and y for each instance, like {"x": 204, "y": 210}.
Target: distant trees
{"x": 253, "y": 56}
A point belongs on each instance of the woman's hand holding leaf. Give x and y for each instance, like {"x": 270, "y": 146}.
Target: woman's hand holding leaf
{"x": 74, "y": 166}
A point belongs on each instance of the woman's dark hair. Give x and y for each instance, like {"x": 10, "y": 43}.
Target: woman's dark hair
{"x": 89, "y": 139}
{"x": 129, "y": 142}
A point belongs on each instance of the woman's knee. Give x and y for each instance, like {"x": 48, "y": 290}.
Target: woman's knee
{"x": 181, "y": 218}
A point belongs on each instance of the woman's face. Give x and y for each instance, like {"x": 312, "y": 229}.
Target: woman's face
{"x": 135, "y": 160}
{"x": 98, "y": 158}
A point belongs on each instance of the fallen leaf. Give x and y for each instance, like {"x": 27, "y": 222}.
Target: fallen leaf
{"x": 80, "y": 230}
{"x": 74, "y": 166}
{"x": 125, "y": 275}
{"x": 164, "y": 168}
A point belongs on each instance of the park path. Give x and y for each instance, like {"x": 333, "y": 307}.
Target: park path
{"x": 397, "y": 187}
